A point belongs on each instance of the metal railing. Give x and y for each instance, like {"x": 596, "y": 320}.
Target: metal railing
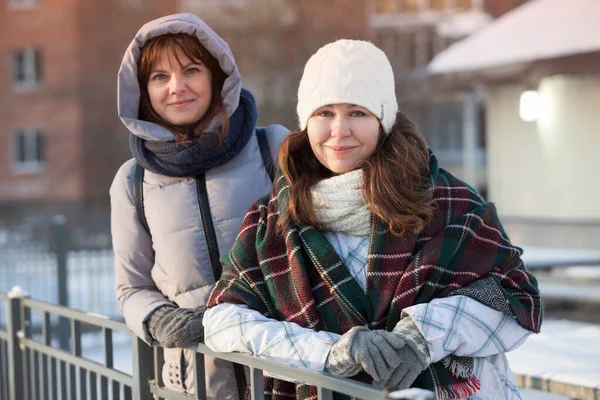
{"x": 37, "y": 366}
{"x": 53, "y": 268}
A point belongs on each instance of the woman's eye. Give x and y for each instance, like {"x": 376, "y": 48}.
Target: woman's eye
{"x": 192, "y": 70}
{"x": 325, "y": 113}
{"x": 159, "y": 77}
{"x": 357, "y": 113}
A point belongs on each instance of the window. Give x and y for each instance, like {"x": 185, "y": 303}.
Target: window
{"x": 138, "y": 3}
{"x": 27, "y": 68}
{"x": 20, "y": 4}
{"x": 28, "y": 150}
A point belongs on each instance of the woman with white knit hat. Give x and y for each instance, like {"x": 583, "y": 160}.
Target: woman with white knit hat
{"x": 367, "y": 260}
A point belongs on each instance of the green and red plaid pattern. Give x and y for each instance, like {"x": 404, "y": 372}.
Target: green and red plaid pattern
{"x": 299, "y": 277}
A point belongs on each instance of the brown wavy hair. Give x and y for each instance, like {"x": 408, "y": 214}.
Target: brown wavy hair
{"x": 193, "y": 49}
{"x": 396, "y": 185}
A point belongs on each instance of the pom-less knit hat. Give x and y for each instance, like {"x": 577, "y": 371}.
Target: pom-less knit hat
{"x": 348, "y": 71}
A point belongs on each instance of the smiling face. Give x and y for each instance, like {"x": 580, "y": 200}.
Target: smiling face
{"x": 342, "y": 135}
{"x": 179, "y": 88}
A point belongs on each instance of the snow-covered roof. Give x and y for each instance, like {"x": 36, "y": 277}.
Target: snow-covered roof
{"x": 539, "y": 29}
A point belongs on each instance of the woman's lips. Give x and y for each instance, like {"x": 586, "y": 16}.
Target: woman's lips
{"x": 341, "y": 149}
{"x": 179, "y": 104}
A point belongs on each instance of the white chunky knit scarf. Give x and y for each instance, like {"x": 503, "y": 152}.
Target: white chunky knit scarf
{"x": 339, "y": 204}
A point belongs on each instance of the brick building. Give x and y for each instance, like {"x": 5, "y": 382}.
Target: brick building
{"x": 60, "y": 138}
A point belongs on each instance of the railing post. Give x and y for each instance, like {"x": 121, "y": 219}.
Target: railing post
{"x": 61, "y": 248}
{"x": 143, "y": 368}
{"x": 15, "y": 353}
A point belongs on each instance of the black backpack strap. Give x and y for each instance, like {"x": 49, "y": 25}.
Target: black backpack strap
{"x": 138, "y": 195}
{"x": 213, "y": 253}
{"x": 207, "y": 224}
{"x": 265, "y": 152}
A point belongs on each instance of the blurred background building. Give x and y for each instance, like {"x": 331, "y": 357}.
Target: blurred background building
{"x": 536, "y": 72}
{"x": 61, "y": 141}
{"x": 60, "y": 138}
{"x": 505, "y": 91}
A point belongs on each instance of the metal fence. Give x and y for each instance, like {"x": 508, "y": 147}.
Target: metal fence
{"x": 53, "y": 352}
{"x": 36, "y": 366}
{"x": 46, "y": 262}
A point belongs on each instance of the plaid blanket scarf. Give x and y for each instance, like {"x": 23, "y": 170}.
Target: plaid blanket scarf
{"x": 299, "y": 277}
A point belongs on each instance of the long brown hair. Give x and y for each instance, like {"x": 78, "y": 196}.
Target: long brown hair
{"x": 193, "y": 49}
{"x": 396, "y": 183}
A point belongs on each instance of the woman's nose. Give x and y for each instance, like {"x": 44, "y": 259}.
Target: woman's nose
{"x": 176, "y": 84}
{"x": 340, "y": 127}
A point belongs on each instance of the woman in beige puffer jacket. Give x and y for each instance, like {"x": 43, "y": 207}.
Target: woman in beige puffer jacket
{"x": 192, "y": 129}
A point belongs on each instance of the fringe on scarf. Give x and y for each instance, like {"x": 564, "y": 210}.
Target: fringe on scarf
{"x": 460, "y": 367}
{"x": 458, "y": 390}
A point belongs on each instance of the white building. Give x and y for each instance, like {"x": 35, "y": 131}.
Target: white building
{"x": 538, "y": 70}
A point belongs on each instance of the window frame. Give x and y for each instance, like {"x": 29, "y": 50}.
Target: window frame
{"x": 31, "y": 68}
{"x": 22, "y": 4}
{"x": 34, "y": 155}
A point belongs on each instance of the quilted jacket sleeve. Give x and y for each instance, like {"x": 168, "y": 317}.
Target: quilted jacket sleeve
{"x": 134, "y": 257}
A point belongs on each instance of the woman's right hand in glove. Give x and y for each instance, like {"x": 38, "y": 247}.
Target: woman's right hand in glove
{"x": 363, "y": 349}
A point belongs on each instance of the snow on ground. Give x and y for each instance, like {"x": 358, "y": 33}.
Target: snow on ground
{"x": 581, "y": 272}
{"x": 531, "y": 394}
{"x": 541, "y": 257}
{"x": 564, "y": 351}
{"x": 579, "y": 292}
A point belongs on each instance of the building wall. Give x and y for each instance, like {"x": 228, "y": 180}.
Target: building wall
{"x": 498, "y": 8}
{"x": 52, "y": 107}
{"x": 82, "y": 44}
{"x": 411, "y": 33}
{"x": 547, "y": 169}
{"x": 105, "y": 139}
{"x": 272, "y": 39}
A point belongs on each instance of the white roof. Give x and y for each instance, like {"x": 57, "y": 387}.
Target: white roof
{"x": 539, "y": 29}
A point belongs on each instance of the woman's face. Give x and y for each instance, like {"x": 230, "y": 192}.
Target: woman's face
{"x": 342, "y": 135}
{"x": 180, "y": 94}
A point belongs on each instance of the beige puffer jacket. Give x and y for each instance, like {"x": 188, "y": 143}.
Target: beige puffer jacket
{"x": 172, "y": 266}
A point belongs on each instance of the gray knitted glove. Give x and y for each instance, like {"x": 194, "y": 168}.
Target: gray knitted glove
{"x": 177, "y": 327}
{"x": 414, "y": 355}
{"x": 361, "y": 348}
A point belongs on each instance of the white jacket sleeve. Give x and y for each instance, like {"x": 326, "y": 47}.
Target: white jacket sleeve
{"x": 236, "y": 328}
{"x": 462, "y": 326}
{"x": 134, "y": 257}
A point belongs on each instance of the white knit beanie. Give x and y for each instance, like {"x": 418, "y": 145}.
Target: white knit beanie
{"x": 348, "y": 71}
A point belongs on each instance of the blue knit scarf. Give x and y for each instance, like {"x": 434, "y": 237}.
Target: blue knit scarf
{"x": 197, "y": 156}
